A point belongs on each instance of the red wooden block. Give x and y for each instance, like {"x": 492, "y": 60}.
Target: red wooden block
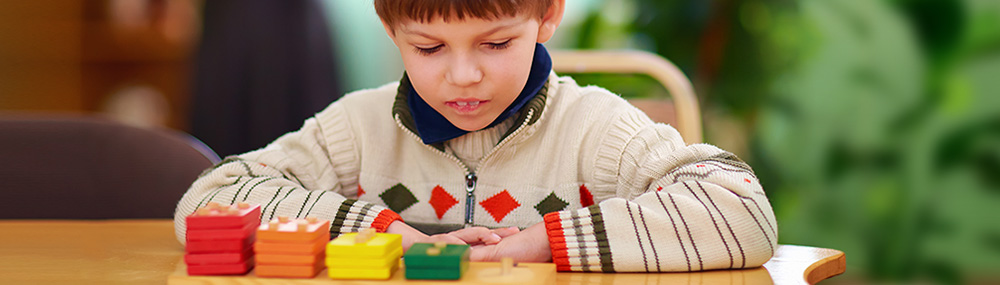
{"x": 215, "y": 216}
{"x": 217, "y": 234}
{"x": 218, "y": 257}
{"x": 221, "y": 269}
{"x": 222, "y": 245}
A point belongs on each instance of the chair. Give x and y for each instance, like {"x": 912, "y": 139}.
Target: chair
{"x": 791, "y": 263}
{"x": 682, "y": 111}
{"x": 84, "y": 167}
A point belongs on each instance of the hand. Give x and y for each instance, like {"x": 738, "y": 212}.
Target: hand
{"x": 471, "y": 236}
{"x": 530, "y": 245}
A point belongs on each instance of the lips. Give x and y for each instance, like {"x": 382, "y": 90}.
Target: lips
{"x": 465, "y": 106}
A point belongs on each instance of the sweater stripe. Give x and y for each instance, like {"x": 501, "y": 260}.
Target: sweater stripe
{"x": 761, "y": 227}
{"x": 276, "y": 193}
{"x": 314, "y": 202}
{"x": 216, "y": 191}
{"x": 275, "y": 209}
{"x": 743, "y": 255}
{"x": 638, "y": 238}
{"x": 338, "y": 220}
{"x": 649, "y": 237}
{"x": 701, "y": 265}
{"x": 677, "y": 233}
{"x": 304, "y": 202}
{"x": 361, "y": 215}
{"x": 715, "y": 223}
{"x": 251, "y": 188}
{"x": 578, "y": 233}
{"x": 603, "y": 247}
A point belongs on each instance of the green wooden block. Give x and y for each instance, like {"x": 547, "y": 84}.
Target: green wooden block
{"x": 451, "y": 257}
{"x": 436, "y": 274}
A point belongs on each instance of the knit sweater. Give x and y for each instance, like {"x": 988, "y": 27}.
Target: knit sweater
{"x": 616, "y": 191}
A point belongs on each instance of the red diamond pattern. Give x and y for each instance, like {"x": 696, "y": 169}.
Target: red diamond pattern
{"x": 360, "y": 191}
{"x": 500, "y": 205}
{"x": 586, "y": 199}
{"x": 441, "y": 201}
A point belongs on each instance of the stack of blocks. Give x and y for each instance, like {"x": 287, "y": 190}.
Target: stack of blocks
{"x": 437, "y": 261}
{"x": 219, "y": 239}
{"x": 291, "y": 247}
{"x": 364, "y": 255}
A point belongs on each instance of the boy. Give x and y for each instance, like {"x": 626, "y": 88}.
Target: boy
{"x": 481, "y": 143}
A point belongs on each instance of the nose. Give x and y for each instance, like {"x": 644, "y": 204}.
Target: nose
{"x": 464, "y": 71}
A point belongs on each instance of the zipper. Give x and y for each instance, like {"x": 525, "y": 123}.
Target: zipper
{"x": 470, "y": 199}
{"x": 470, "y": 177}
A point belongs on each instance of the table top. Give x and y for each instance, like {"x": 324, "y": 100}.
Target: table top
{"x": 146, "y": 251}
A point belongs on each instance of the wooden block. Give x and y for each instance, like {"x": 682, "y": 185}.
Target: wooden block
{"x": 359, "y": 262}
{"x": 379, "y": 246}
{"x": 285, "y": 229}
{"x": 288, "y": 271}
{"x": 290, "y": 259}
{"x": 430, "y": 256}
{"x": 219, "y": 257}
{"x": 238, "y": 268}
{"x": 222, "y": 245}
{"x": 215, "y": 216}
{"x": 363, "y": 273}
{"x": 301, "y": 248}
{"x": 220, "y": 234}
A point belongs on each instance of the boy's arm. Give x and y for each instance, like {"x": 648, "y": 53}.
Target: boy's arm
{"x": 301, "y": 174}
{"x": 675, "y": 208}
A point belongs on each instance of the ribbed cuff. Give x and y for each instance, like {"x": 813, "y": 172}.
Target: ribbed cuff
{"x": 354, "y": 215}
{"x": 578, "y": 240}
{"x": 557, "y": 242}
{"x": 384, "y": 219}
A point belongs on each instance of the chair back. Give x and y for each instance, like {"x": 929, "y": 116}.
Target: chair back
{"x": 680, "y": 111}
{"x": 82, "y": 167}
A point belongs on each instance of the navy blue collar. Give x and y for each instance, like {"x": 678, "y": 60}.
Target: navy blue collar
{"x": 432, "y": 127}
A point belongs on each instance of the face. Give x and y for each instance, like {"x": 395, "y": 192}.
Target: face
{"x": 469, "y": 70}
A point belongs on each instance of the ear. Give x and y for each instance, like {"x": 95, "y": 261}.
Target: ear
{"x": 551, "y": 20}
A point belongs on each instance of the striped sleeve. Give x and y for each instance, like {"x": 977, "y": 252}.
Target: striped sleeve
{"x": 674, "y": 208}
{"x": 303, "y": 173}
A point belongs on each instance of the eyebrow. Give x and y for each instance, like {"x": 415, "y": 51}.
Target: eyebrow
{"x": 487, "y": 33}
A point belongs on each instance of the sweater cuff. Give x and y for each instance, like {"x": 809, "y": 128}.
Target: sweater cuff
{"x": 578, "y": 240}
{"x": 354, "y": 215}
{"x": 384, "y": 219}
{"x": 557, "y": 242}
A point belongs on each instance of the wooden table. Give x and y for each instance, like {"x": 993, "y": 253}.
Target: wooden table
{"x": 146, "y": 251}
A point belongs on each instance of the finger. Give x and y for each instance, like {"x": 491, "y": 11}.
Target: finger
{"x": 477, "y": 235}
{"x": 482, "y": 253}
{"x": 506, "y": 232}
{"x": 447, "y": 238}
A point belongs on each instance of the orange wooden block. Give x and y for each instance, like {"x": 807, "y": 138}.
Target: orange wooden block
{"x": 286, "y": 229}
{"x": 289, "y": 271}
{"x": 290, "y": 259}
{"x": 300, "y": 248}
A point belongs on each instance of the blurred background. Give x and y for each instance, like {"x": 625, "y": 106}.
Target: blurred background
{"x": 874, "y": 125}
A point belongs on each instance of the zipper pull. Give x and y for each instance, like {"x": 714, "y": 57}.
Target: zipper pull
{"x": 470, "y": 200}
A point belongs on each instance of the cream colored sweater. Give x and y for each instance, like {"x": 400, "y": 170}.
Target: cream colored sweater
{"x": 617, "y": 192}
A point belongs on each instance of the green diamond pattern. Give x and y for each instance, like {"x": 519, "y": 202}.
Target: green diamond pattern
{"x": 550, "y": 204}
{"x": 398, "y": 198}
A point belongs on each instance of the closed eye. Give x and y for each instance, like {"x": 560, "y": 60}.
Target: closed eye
{"x": 500, "y": 45}
{"x": 428, "y": 51}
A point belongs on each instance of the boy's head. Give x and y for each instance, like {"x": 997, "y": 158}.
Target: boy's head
{"x": 469, "y": 59}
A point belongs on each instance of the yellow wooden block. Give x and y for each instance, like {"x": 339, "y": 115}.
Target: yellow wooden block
{"x": 363, "y": 273}
{"x": 381, "y": 245}
{"x": 354, "y": 262}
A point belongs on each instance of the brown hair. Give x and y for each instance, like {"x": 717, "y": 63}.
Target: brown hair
{"x": 393, "y": 12}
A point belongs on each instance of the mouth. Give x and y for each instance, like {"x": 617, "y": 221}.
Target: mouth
{"x": 465, "y": 106}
